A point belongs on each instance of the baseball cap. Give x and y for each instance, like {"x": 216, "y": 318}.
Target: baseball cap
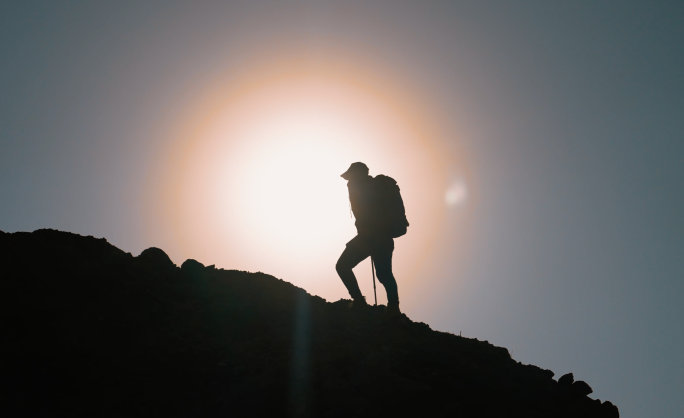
{"x": 355, "y": 168}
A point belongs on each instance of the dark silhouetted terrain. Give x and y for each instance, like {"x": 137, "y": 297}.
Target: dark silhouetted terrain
{"x": 90, "y": 330}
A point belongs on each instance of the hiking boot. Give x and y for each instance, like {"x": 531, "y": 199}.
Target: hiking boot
{"x": 392, "y": 309}
{"x": 358, "y": 303}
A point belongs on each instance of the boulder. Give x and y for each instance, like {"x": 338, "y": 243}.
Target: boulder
{"x": 155, "y": 256}
{"x": 192, "y": 267}
{"x": 609, "y": 410}
{"x": 566, "y": 380}
{"x": 581, "y": 388}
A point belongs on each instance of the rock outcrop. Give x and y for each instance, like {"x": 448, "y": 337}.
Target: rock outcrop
{"x": 156, "y": 256}
{"x": 90, "y": 330}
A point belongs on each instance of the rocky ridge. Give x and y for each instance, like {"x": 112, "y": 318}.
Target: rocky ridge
{"x": 90, "y": 330}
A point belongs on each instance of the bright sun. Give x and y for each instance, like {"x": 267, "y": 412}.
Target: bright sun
{"x": 257, "y": 184}
{"x": 295, "y": 196}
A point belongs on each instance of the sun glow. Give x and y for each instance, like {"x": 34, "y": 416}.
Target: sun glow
{"x": 256, "y": 181}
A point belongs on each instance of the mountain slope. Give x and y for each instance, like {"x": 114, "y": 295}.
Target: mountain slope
{"x": 90, "y": 330}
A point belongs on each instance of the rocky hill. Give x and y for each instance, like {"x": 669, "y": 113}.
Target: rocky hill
{"x": 90, "y": 330}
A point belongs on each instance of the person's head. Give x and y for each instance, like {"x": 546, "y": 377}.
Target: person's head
{"x": 355, "y": 171}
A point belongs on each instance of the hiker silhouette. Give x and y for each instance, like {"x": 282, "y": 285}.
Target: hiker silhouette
{"x": 380, "y": 217}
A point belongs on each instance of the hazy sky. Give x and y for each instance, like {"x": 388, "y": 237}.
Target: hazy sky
{"x": 561, "y": 127}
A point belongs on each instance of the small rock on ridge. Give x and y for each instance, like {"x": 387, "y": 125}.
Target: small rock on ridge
{"x": 192, "y": 267}
{"x": 566, "y": 380}
{"x": 581, "y": 388}
{"x": 156, "y": 256}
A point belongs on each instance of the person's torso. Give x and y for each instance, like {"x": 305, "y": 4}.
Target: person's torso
{"x": 366, "y": 206}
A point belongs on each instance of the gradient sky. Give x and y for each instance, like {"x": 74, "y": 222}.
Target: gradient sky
{"x": 562, "y": 121}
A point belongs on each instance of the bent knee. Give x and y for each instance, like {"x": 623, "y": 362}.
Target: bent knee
{"x": 342, "y": 266}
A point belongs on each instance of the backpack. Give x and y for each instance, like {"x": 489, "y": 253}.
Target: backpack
{"x": 391, "y": 205}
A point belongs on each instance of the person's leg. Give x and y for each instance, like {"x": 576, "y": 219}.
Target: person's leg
{"x": 357, "y": 250}
{"x": 382, "y": 257}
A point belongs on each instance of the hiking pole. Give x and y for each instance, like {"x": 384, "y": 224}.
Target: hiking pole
{"x": 374, "y": 292}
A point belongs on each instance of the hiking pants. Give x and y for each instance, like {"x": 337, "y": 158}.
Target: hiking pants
{"x": 360, "y": 248}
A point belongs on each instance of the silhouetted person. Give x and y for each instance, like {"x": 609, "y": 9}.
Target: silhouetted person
{"x": 380, "y": 217}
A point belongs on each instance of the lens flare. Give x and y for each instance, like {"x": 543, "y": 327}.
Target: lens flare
{"x": 457, "y": 194}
